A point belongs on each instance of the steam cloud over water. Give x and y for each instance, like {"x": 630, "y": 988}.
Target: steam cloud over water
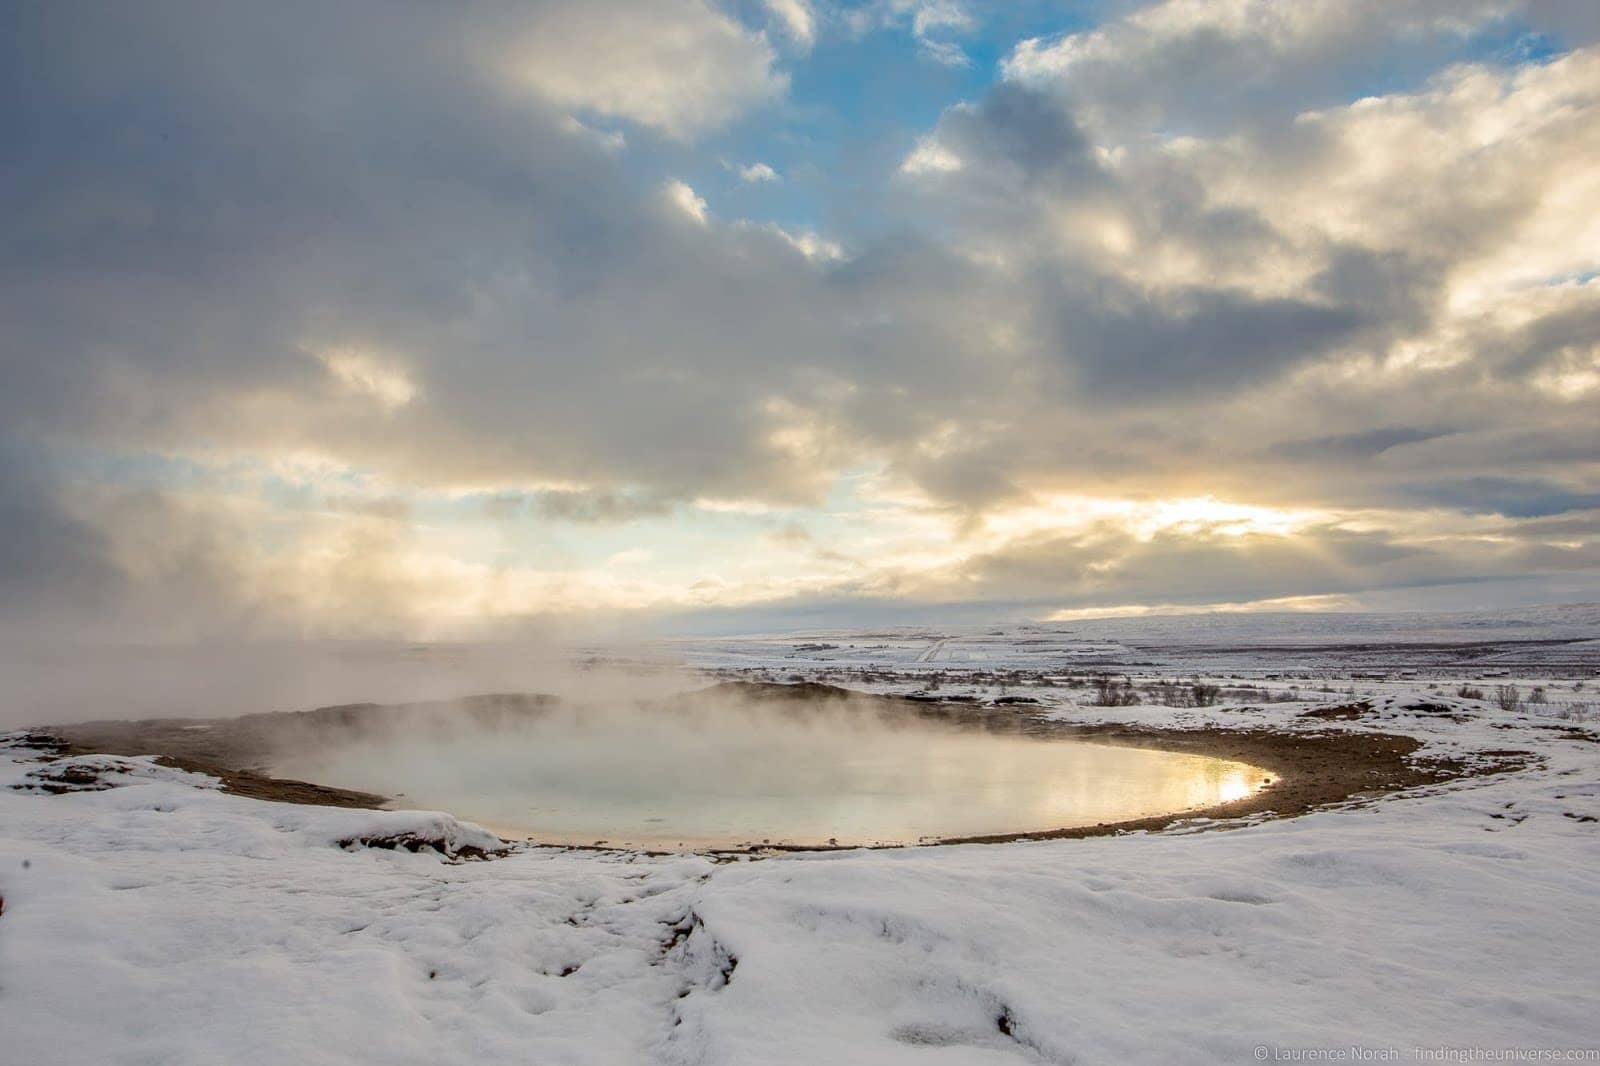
{"x": 724, "y": 769}
{"x": 61, "y": 682}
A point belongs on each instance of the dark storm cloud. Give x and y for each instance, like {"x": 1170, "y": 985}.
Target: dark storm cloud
{"x": 1547, "y": 343}
{"x": 212, "y": 189}
{"x": 1345, "y": 446}
{"x": 217, "y": 196}
{"x": 1586, "y": 525}
{"x": 1377, "y": 234}
{"x": 1024, "y": 158}
{"x": 47, "y": 555}
{"x": 1027, "y": 130}
{"x": 1203, "y": 340}
{"x": 1511, "y": 497}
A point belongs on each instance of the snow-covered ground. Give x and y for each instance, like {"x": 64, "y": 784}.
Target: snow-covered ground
{"x": 1542, "y": 642}
{"x": 164, "y": 921}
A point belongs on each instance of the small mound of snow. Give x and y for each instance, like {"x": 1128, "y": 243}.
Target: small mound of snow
{"x": 413, "y": 831}
{"x": 97, "y": 773}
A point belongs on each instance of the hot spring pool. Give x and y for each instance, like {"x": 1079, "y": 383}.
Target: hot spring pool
{"x": 731, "y": 774}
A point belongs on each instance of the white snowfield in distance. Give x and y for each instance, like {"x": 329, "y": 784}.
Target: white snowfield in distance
{"x": 1533, "y": 640}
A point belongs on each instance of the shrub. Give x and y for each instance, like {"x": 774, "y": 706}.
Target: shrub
{"x": 1577, "y": 712}
{"x": 1111, "y": 692}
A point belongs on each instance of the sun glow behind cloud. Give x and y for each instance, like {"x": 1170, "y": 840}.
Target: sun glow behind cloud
{"x": 366, "y": 373}
{"x": 347, "y": 552}
{"x": 1147, "y": 518}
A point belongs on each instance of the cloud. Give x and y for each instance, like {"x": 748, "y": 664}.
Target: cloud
{"x": 1342, "y": 447}
{"x": 47, "y": 554}
{"x": 83, "y": 561}
{"x": 1273, "y": 276}
{"x": 930, "y": 157}
{"x": 611, "y": 140}
{"x": 808, "y": 243}
{"x": 577, "y": 505}
{"x": 756, "y": 173}
{"x": 679, "y": 66}
{"x": 931, "y": 23}
{"x": 1514, "y": 498}
{"x": 1109, "y": 567}
{"x": 1196, "y": 65}
{"x": 947, "y": 53}
{"x": 555, "y": 325}
{"x": 684, "y": 199}
{"x": 403, "y": 251}
{"x": 1200, "y": 340}
{"x": 796, "y": 18}
{"x": 368, "y": 374}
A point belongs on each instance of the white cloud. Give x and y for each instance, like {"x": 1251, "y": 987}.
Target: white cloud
{"x": 945, "y": 52}
{"x": 808, "y": 243}
{"x": 1497, "y": 165}
{"x": 1188, "y": 57}
{"x": 931, "y": 16}
{"x": 683, "y": 198}
{"x": 678, "y": 66}
{"x": 369, "y": 374}
{"x": 797, "y": 20}
{"x": 930, "y": 157}
{"x": 610, "y": 140}
{"x": 931, "y": 23}
{"x": 756, "y": 173}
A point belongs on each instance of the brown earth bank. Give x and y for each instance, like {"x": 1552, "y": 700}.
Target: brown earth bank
{"x": 1311, "y": 769}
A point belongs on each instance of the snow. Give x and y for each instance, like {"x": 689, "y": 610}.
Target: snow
{"x": 164, "y": 921}
{"x": 1540, "y": 642}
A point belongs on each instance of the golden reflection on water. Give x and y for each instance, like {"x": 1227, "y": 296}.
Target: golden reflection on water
{"x": 1234, "y": 785}
{"x": 748, "y": 778}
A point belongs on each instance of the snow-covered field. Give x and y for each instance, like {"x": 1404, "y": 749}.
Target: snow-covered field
{"x": 1548, "y": 642}
{"x": 164, "y": 921}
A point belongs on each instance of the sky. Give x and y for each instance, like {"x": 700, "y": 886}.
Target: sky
{"x": 436, "y": 321}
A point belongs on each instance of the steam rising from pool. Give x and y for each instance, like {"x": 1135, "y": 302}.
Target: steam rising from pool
{"x": 726, "y": 771}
